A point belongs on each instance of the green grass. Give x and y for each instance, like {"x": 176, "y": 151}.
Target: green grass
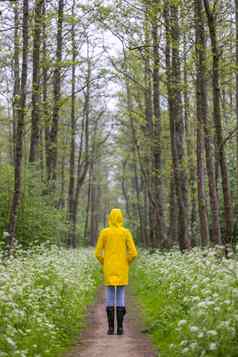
{"x": 159, "y": 311}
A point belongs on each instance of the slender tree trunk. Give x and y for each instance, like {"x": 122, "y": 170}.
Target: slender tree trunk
{"x": 89, "y": 202}
{"x": 136, "y": 156}
{"x": 142, "y": 228}
{"x": 45, "y": 93}
{"x": 35, "y": 115}
{"x": 148, "y": 129}
{"x": 124, "y": 188}
{"x": 57, "y": 95}
{"x": 95, "y": 199}
{"x": 146, "y": 215}
{"x": 173, "y": 205}
{"x": 203, "y": 214}
{"x": 11, "y": 146}
{"x": 62, "y": 200}
{"x": 83, "y": 163}
{"x": 210, "y": 164}
{"x": 236, "y": 9}
{"x": 189, "y": 135}
{"x": 173, "y": 213}
{"x": 177, "y": 124}
{"x": 92, "y": 190}
{"x": 16, "y": 89}
{"x": 86, "y": 228}
{"x": 41, "y": 155}
{"x": 73, "y": 132}
{"x": 228, "y": 214}
{"x": 159, "y": 219}
{"x": 19, "y": 134}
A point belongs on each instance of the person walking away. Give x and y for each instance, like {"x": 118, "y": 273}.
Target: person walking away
{"x": 115, "y": 250}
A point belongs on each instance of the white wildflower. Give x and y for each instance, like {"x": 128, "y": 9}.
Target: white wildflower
{"x": 193, "y": 328}
{"x": 200, "y": 335}
{"x": 182, "y": 322}
{"x": 11, "y": 342}
{"x": 212, "y": 333}
{"x": 212, "y": 346}
{"x": 185, "y": 350}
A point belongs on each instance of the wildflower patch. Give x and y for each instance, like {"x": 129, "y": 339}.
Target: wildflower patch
{"x": 43, "y": 297}
{"x": 190, "y": 302}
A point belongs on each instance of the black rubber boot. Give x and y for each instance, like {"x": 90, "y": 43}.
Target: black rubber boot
{"x": 121, "y": 311}
{"x": 110, "y": 319}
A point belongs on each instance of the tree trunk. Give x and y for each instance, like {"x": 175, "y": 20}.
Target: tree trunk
{"x": 136, "y": 157}
{"x": 159, "y": 227}
{"x": 173, "y": 213}
{"x": 173, "y": 205}
{"x": 189, "y": 135}
{"x": 57, "y": 95}
{"x": 83, "y": 159}
{"x": 86, "y": 224}
{"x": 228, "y": 214}
{"x": 45, "y": 94}
{"x": 236, "y": 9}
{"x": 73, "y": 132}
{"x": 148, "y": 127}
{"x": 63, "y": 164}
{"x": 200, "y": 82}
{"x": 16, "y": 89}
{"x": 19, "y": 135}
{"x": 210, "y": 164}
{"x": 124, "y": 188}
{"x": 95, "y": 199}
{"x": 35, "y": 115}
{"x": 142, "y": 227}
{"x": 177, "y": 124}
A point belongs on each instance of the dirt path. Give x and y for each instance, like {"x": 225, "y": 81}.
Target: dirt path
{"x": 94, "y": 342}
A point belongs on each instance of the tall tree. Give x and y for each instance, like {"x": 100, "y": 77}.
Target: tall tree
{"x": 35, "y": 115}
{"x": 236, "y": 61}
{"x": 16, "y": 89}
{"x": 21, "y": 111}
{"x": 228, "y": 209}
{"x": 82, "y": 159}
{"x": 45, "y": 101}
{"x": 148, "y": 127}
{"x": 173, "y": 205}
{"x": 52, "y": 160}
{"x": 177, "y": 123}
{"x": 202, "y": 114}
{"x": 201, "y": 110}
{"x": 159, "y": 226}
{"x": 73, "y": 129}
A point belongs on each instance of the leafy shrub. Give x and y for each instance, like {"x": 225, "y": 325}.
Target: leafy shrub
{"x": 38, "y": 219}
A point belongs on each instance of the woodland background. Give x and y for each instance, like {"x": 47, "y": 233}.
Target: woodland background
{"x": 119, "y": 103}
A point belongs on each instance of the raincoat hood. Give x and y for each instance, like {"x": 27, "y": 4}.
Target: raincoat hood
{"x": 115, "y": 218}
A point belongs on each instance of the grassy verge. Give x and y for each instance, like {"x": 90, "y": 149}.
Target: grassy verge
{"x": 189, "y": 302}
{"x": 43, "y": 300}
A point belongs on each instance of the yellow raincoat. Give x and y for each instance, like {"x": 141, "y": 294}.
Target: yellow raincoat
{"x": 115, "y": 250}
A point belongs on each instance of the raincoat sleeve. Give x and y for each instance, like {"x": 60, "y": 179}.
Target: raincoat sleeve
{"x": 131, "y": 248}
{"x": 99, "y": 248}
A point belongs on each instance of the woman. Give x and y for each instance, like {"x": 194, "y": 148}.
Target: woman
{"x": 115, "y": 250}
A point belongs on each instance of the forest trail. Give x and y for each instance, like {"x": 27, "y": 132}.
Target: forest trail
{"x": 94, "y": 341}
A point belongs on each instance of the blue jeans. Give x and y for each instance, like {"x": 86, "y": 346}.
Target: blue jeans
{"x": 117, "y": 292}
